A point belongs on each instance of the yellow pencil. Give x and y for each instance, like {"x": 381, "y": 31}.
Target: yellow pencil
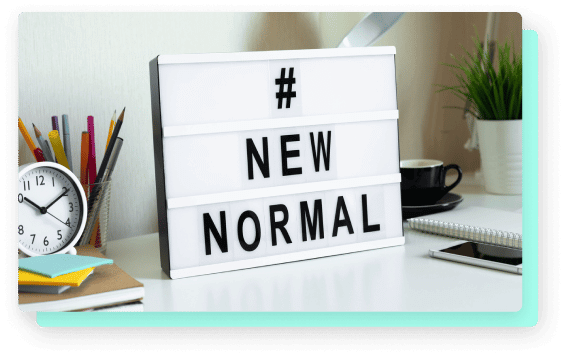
{"x": 27, "y": 137}
{"x": 112, "y": 124}
{"x": 58, "y": 148}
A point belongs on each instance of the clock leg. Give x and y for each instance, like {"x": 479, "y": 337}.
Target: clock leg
{"x": 72, "y": 251}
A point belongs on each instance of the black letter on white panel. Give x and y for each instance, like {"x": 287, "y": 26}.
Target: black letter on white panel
{"x": 262, "y": 164}
{"x": 285, "y": 154}
{"x": 209, "y": 227}
{"x": 249, "y": 214}
{"x": 341, "y": 207}
{"x": 316, "y": 151}
{"x": 317, "y": 218}
{"x": 367, "y": 228}
{"x": 279, "y": 224}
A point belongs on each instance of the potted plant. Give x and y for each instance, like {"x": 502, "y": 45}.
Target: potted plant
{"x": 495, "y": 93}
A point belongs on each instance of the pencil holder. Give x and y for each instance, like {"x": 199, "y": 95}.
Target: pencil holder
{"x": 98, "y": 218}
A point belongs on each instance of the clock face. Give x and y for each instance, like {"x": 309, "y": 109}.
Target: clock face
{"x": 50, "y": 210}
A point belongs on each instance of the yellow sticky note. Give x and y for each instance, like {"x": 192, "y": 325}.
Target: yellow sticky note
{"x": 71, "y": 279}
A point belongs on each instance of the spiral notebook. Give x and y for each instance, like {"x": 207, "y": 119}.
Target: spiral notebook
{"x": 490, "y": 226}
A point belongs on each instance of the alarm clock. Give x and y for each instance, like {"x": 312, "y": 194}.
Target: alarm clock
{"x": 52, "y": 209}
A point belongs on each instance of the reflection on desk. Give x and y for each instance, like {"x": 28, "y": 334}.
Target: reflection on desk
{"x": 402, "y": 278}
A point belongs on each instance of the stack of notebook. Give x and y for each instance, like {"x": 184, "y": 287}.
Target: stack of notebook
{"x": 74, "y": 283}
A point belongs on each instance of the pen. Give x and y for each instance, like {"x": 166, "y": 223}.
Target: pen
{"x": 90, "y": 227}
{"x": 106, "y": 158}
{"x": 67, "y": 141}
{"x": 55, "y": 127}
{"x": 39, "y": 154}
{"x": 55, "y": 123}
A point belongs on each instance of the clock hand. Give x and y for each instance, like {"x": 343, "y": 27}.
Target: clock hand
{"x": 56, "y": 218}
{"x": 59, "y": 197}
{"x": 42, "y": 209}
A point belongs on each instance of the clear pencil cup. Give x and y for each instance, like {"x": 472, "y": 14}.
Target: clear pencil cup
{"x": 98, "y": 218}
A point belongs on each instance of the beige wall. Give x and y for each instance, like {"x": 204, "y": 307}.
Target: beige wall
{"x": 90, "y": 64}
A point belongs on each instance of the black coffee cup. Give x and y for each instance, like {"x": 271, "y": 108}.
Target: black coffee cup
{"x": 423, "y": 181}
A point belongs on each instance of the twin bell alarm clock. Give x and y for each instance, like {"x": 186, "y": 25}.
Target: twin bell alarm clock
{"x": 52, "y": 209}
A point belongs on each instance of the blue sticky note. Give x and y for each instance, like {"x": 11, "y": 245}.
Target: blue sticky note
{"x": 57, "y": 265}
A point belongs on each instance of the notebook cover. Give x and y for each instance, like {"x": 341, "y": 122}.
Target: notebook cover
{"x": 105, "y": 278}
{"x": 52, "y": 290}
{"x": 71, "y": 279}
{"x": 57, "y": 265}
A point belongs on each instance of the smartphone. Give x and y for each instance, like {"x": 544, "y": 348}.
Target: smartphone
{"x": 484, "y": 255}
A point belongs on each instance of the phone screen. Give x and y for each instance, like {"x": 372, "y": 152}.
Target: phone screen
{"x": 499, "y": 254}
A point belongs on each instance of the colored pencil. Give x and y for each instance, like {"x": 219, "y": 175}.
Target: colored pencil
{"x": 91, "y": 152}
{"x": 112, "y": 124}
{"x": 67, "y": 141}
{"x": 27, "y": 138}
{"x": 43, "y": 144}
{"x": 84, "y": 161}
{"x": 58, "y": 148}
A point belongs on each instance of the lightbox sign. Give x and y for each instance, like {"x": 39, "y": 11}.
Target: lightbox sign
{"x": 269, "y": 157}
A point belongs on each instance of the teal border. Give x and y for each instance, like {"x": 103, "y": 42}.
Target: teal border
{"x": 527, "y": 316}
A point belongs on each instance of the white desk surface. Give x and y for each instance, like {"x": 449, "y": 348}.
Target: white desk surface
{"x": 402, "y": 278}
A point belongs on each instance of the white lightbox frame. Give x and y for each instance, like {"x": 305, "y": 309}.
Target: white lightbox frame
{"x": 161, "y": 132}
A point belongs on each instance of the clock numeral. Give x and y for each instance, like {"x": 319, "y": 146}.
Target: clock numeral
{"x": 37, "y": 181}
{"x": 65, "y": 188}
{"x": 28, "y": 187}
{"x": 72, "y": 209}
{"x": 20, "y": 198}
{"x": 45, "y": 242}
{"x": 21, "y": 229}
{"x": 33, "y": 238}
{"x": 60, "y": 236}
{"x": 68, "y": 222}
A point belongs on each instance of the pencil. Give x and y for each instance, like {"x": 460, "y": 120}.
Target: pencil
{"x": 27, "y": 137}
{"x": 91, "y": 152}
{"x": 112, "y": 123}
{"x": 84, "y": 160}
{"x": 107, "y": 154}
{"x": 43, "y": 144}
{"x": 67, "y": 141}
{"x": 58, "y": 148}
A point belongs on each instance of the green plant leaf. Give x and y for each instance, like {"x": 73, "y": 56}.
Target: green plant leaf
{"x": 495, "y": 93}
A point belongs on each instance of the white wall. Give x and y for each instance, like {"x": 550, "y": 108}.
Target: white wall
{"x": 85, "y": 64}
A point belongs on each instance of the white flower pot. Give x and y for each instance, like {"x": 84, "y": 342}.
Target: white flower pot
{"x": 500, "y": 144}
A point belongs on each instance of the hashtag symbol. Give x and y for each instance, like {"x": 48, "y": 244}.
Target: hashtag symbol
{"x": 282, "y": 82}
